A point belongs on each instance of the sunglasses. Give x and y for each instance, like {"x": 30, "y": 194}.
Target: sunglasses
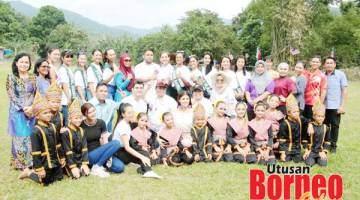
{"x": 127, "y": 60}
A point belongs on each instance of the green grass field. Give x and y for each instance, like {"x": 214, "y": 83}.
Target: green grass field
{"x": 198, "y": 181}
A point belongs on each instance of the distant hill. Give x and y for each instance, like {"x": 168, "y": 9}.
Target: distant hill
{"x": 90, "y": 26}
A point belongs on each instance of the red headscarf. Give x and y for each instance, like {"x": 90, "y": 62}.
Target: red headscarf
{"x": 126, "y": 71}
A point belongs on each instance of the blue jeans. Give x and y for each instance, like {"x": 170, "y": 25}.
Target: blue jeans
{"x": 100, "y": 155}
{"x": 65, "y": 114}
{"x": 109, "y": 125}
{"x": 111, "y": 92}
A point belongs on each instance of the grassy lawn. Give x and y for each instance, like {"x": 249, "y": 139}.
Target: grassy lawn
{"x": 198, "y": 181}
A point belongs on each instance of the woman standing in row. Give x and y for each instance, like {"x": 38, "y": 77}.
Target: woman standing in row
{"x": 21, "y": 87}
{"x": 41, "y": 70}
{"x": 94, "y": 72}
{"x": 67, "y": 82}
{"x": 81, "y": 84}
{"x": 53, "y": 58}
{"x": 242, "y": 76}
{"x": 125, "y": 79}
{"x": 110, "y": 71}
{"x": 258, "y": 87}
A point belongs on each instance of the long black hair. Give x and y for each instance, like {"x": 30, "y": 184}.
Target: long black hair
{"x": 37, "y": 66}
{"x": 15, "y": 69}
{"x": 244, "y": 68}
{"x": 106, "y": 60}
{"x": 121, "y": 111}
{"x": 209, "y": 67}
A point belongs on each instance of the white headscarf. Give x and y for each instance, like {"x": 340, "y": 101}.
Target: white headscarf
{"x": 261, "y": 81}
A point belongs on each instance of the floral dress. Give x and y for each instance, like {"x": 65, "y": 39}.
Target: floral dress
{"x": 21, "y": 94}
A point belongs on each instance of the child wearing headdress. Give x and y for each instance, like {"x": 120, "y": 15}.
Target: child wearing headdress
{"x": 44, "y": 140}
{"x": 292, "y": 133}
{"x": 218, "y": 124}
{"x": 201, "y": 136}
{"x": 260, "y": 136}
{"x": 319, "y": 138}
{"x": 143, "y": 139}
{"x": 53, "y": 96}
{"x": 237, "y": 134}
{"x": 75, "y": 145}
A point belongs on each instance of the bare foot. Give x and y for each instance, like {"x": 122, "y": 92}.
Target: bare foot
{"x": 24, "y": 174}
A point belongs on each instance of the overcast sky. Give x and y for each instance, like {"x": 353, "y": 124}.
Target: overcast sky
{"x": 143, "y": 13}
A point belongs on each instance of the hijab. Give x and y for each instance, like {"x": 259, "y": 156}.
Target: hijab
{"x": 127, "y": 70}
{"x": 261, "y": 81}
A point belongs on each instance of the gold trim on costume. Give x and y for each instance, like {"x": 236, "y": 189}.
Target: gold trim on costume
{"x": 290, "y": 134}
{"x": 36, "y": 153}
{"x": 45, "y": 145}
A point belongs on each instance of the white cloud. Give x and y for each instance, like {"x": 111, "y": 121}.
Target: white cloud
{"x": 143, "y": 13}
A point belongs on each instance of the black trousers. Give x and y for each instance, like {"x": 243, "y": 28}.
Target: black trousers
{"x": 332, "y": 119}
{"x": 52, "y": 175}
{"x": 294, "y": 156}
{"x": 127, "y": 158}
{"x": 314, "y": 158}
{"x": 308, "y": 112}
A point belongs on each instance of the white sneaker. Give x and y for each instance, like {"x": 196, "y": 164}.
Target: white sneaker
{"x": 151, "y": 174}
{"x": 99, "y": 171}
{"x": 109, "y": 163}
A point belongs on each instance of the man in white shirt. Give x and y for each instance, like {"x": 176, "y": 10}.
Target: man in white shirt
{"x": 198, "y": 97}
{"x": 158, "y": 105}
{"x": 147, "y": 71}
{"x": 105, "y": 108}
{"x": 137, "y": 99}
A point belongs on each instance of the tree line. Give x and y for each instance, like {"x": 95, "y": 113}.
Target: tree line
{"x": 289, "y": 30}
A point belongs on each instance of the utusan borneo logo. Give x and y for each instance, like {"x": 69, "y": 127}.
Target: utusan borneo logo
{"x": 293, "y": 182}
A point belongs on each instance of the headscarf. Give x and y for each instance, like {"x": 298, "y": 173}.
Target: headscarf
{"x": 127, "y": 70}
{"x": 261, "y": 81}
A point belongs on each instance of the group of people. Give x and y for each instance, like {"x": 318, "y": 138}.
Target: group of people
{"x": 61, "y": 118}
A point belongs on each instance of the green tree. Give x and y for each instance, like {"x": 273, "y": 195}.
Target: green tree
{"x": 253, "y": 27}
{"x": 43, "y": 24}
{"x": 203, "y": 30}
{"x": 120, "y": 44}
{"x": 13, "y": 31}
{"x": 289, "y": 26}
{"x": 67, "y": 36}
{"x": 161, "y": 41}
